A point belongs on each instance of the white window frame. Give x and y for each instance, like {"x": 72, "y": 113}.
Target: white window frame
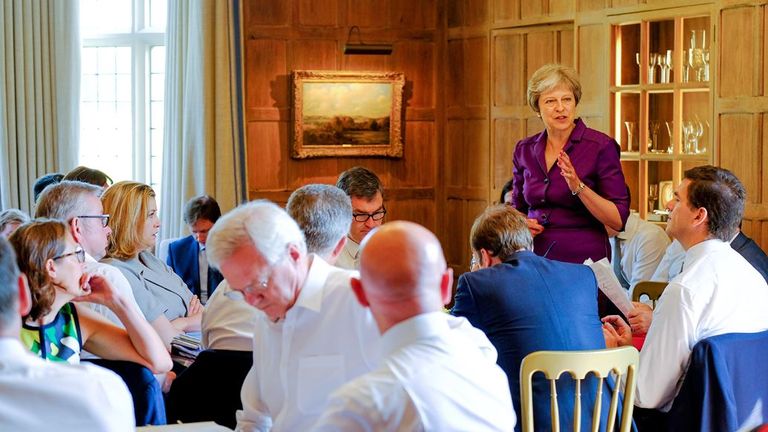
{"x": 141, "y": 40}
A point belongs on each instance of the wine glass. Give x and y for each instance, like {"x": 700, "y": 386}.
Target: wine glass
{"x": 630, "y": 134}
{"x": 637, "y": 60}
{"x": 654, "y": 60}
{"x": 653, "y": 196}
{"x": 670, "y": 127}
{"x": 653, "y": 139}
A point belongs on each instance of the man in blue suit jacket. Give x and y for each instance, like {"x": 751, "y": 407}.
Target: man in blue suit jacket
{"x": 526, "y": 303}
{"x": 187, "y": 257}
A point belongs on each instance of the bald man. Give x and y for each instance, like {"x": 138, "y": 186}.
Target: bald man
{"x": 438, "y": 372}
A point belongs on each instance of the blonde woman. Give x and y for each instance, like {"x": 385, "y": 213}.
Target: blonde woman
{"x": 159, "y": 292}
{"x": 57, "y": 329}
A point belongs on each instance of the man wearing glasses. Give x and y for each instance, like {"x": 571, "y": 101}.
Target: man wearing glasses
{"x": 312, "y": 336}
{"x": 79, "y": 205}
{"x": 368, "y": 211}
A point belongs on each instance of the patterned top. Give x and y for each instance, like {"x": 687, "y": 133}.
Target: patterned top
{"x": 58, "y": 341}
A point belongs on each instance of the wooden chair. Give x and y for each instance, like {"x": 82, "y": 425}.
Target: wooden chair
{"x": 599, "y": 363}
{"x": 652, "y": 289}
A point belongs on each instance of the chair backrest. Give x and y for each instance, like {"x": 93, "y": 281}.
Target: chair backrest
{"x": 723, "y": 388}
{"x": 652, "y": 289}
{"x": 599, "y": 363}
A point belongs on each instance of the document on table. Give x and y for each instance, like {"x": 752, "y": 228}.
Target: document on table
{"x": 609, "y": 284}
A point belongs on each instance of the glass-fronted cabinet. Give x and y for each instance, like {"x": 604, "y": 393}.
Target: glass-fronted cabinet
{"x": 661, "y": 101}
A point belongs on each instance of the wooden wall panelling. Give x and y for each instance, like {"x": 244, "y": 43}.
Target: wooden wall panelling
{"x": 506, "y": 10}
{"x": 475, "y": 12}
{"x": 530, "y": 9}
{"x": 593, "y": 66}
{"x": 742, "y": 152}
{"x": 740, "y": 52}
{"x": 591, "y": 5}
{"x": 562, "y": 8}
{"x": 281, "y": 36}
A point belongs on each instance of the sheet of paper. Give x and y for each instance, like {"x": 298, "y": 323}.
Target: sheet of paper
{"x": 609, "y": 284}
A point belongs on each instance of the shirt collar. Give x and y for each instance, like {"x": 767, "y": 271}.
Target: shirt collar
{"x": 311, "y": 294}
{"x": 352, "y": 248}
{"x": 704, "y": 248}
{"x": 406, "y": 332}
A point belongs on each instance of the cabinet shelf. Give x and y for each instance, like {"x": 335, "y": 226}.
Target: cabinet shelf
{"x": 661, "y": 99}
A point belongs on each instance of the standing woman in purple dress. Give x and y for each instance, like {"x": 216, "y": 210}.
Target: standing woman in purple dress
{"x": 568, "y": 178}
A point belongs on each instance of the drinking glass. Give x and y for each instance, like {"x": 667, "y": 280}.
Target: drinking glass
{"x": 630, "y": 134}
{"x": 653, "y": 196}
{"x": 653, "y": 138}
{"x": 670, "y": 127}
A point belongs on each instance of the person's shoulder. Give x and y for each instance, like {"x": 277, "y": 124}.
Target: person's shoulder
{"x": 183, "y": 242}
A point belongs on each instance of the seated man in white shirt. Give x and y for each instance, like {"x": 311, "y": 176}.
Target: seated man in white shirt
{"x": 439, "y": 373}
{"x": 367, "y": 195}
{"x": 717, "y": 292}
{"x": 638, "y": 249}
{"x": 38, "y": 395}
{"x": 311, "y": 335}
{"x": 323, "y": 213}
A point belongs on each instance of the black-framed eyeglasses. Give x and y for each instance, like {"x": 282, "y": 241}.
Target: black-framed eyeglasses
{"x": 79, "y": 253}
{"x": 104, "y": 218}
{"x": 363, "y": 217}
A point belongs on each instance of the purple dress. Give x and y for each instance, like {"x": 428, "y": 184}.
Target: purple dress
{"x": 571, "y": 233}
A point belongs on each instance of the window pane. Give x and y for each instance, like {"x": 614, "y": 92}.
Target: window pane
{"x": 105, "y": 60}
{"x": 88, "y": 60}
{"x": 157, "y": 59}
{"x": 156, "y": 116}
{"x": 105, "y": 16}
{"x": 123, "y": 60}
{"x": 157, "y": 14}
{"x": 88, "y": 88}
{"x": 106, "y": 91}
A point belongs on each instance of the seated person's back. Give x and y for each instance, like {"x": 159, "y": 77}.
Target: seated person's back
{"x": 525, "y": 303}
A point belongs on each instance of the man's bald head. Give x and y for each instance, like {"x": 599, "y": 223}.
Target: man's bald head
{"x": 402, "y": 273}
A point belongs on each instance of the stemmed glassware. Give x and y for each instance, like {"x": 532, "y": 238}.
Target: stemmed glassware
{"x": 654, "y": 61}
{"x": 698, "y": 58}
{"x": 653, "y": 196}
{"x": 653, "y": 140}
{"x": 630, "y": 134}
{"x": 670, "y": 127}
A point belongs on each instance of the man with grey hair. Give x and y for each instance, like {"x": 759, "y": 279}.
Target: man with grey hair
{"x": 526, "y": 303}
{"x": 39, "y": 395}
{"x": 307, "y": 305}
{"x": 367, "y": 196}
{"x": 10, "y": 219}
{"x": 323, "y": 213}
{"x": 79, "y": 205}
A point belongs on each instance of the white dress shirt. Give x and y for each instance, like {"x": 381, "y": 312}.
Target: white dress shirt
{"x": 36, "y": 395}
{"x": 349, "y": 258}
{"x": 718, "y": 292}
{"x": 202, "y": 265}
{"x": 671, "y": 264}
{"x": 642, "y": 247}
{"x": 325, "y": 340}
{"x": 440, "y": 374}
{"x": 228, "y": 321}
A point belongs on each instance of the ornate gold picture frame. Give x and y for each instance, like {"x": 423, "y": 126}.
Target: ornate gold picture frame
{"x": 338, "y": 113}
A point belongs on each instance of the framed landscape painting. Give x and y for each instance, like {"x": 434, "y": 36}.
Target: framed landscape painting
{"x": 338, "y": 113}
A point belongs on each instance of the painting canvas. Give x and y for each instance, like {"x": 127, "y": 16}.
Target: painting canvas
{"x": 347, "y": 114}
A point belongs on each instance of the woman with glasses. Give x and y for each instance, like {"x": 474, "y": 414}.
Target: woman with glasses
{"x": 56, "y": 328}
{"x": 160, "y": 293}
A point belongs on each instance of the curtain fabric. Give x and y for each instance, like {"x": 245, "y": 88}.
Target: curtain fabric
{"x": 39, "y": 94}
{"x": 203, "y": 151}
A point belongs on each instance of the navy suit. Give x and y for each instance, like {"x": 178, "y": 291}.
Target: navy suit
{"x": 751, "y": 252}
{"x": 183, "y": 259}
{"x": 530, "y": 303}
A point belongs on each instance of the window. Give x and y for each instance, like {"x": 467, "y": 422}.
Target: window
{"x": 122, "y": 88}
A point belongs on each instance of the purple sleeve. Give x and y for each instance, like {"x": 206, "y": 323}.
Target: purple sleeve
{"x": 518, "y": 201}
{"x": 611, "y": 183}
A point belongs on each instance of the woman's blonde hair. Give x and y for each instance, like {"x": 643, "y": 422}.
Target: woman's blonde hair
{"x": 127, "y": 204}
{"x": 35, "y": 243}
{"x": 550, "y": 76}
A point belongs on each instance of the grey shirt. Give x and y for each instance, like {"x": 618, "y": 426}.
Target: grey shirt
{"x": 158, "y": 290}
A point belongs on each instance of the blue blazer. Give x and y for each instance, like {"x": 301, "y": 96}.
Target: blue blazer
{"x": 530, "y": 303}
{"x": 752, "y": 253}
{"x": 183, "y": 259}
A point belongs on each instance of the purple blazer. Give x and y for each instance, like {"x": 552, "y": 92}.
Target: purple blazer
{"x": 571, "y": 233}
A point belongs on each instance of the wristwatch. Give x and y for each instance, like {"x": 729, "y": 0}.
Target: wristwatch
{"x": 579, "y": 189}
